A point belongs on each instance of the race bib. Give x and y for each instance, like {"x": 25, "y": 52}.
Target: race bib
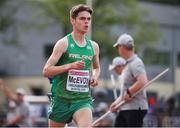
{"x": 78, "y": 81}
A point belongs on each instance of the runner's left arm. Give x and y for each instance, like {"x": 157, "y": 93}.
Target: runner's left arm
{"x": 96, "y": 65}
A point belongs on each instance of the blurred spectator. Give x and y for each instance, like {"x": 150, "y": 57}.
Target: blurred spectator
{"x": 11, "y": 114}
{"x": 152, "y": 103}
{"x": 108, "y": 121}
{"x": 22, "y": 109}
{"x": 170, "y": 106}
{"x": 117, "y": 65}
{"x": 100, "y": 94}
{"x": 160, "y": 106}
{"x": 102, "y": 108}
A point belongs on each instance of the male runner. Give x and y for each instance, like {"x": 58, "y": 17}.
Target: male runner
{"x": 74, "y": 66}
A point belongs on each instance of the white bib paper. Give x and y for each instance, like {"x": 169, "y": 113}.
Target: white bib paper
{"x": 78, "y": 81}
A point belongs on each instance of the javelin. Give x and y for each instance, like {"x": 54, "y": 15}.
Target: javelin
{"x": 123, "y": 102}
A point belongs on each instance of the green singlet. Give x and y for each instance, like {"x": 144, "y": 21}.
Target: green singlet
{"x": 73, "y": 86}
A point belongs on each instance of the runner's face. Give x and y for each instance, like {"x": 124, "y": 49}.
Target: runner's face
{"x": 82, "y": 22}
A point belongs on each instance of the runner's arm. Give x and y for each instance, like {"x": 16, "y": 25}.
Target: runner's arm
{"x": 50, "y": 68}
{"x": 96, "y": 65}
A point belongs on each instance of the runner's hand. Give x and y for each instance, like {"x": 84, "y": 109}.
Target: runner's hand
{"x": 78, "y": 65}
{"x": 93, "y": 82}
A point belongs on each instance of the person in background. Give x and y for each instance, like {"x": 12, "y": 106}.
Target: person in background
{"x": 131, "y": 113}
{"x": 118, "y": 65}
{"x": 11, "y": 114}
{"x": 22, "y": 109}
{"x": 108, "y": 121}
{"x": 74, "y": 67}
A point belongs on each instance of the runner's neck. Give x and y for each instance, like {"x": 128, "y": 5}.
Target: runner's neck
{"x": 79, "y": 39}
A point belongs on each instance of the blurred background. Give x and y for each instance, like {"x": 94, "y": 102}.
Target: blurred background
{"x": 30, "y": 28}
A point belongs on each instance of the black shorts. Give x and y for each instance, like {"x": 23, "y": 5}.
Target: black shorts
{"x": 130, "y": 118}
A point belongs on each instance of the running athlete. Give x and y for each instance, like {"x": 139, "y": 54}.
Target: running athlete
{"x": 74, "y": 66}
{"x": 134, "y": 78}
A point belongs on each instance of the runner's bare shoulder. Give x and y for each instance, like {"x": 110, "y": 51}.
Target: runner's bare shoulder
{"x": 95, "y": 46}
{"x": 62, "y": 44}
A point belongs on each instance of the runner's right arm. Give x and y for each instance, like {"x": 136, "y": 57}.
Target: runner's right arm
{"x": 50, "y": 69}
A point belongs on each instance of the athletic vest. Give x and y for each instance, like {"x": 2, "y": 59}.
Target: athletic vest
{"x": 72, "y": 86}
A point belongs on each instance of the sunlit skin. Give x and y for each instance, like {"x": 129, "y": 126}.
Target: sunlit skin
{"x": 81, "y": 23}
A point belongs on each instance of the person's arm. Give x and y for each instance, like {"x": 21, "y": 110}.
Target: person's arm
{"x": 141, "y": 81}
{"x": 50, "y": 69}
{"x": 96, "y": 65}
{"x": 127, "y": 96}
{"x": 6, "y": 91}
{"x": 113, "y": 106}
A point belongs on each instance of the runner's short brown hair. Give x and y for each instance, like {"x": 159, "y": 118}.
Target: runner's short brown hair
{"x": 79, "y": 8}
